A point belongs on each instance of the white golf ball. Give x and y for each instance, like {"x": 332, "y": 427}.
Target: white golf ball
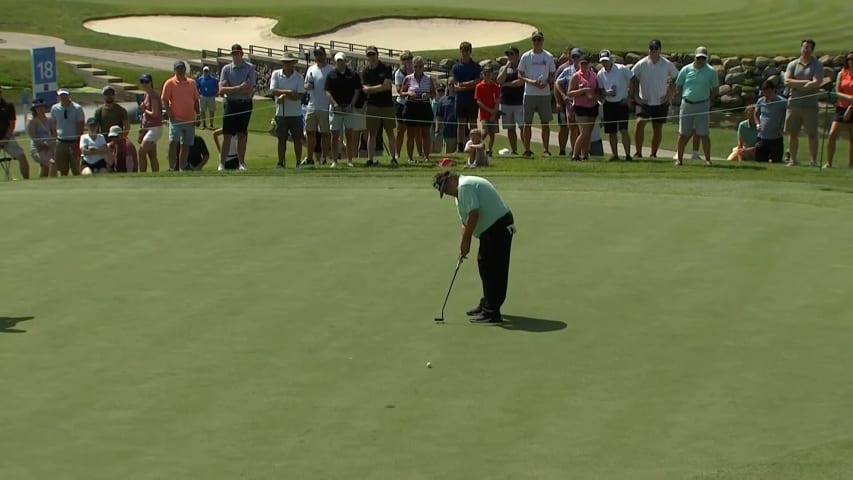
{"x": 429, "y": 364}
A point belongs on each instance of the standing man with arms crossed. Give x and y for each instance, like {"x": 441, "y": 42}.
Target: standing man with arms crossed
{"x": 465, "y": 75}
{"x": 67, "y": 122}
{"x": 377, "y": 79}
{"x": 537, "y": 69}
{"x": 484, "y": 215}
{"x": 288, "y": 87}
{"x": 652, "y": 88}
{"x": 512, "y": 97}
{"x": 236, "y": 84}
{"x": 180, "y": 99}
{"x": 803, "y": 77}
{"x": 697, "y": 83}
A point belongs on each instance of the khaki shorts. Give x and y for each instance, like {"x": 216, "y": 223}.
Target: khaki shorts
{"x": 378, "y": 117}
{"x": 317, "y": 120}
{"x": 67, "y": 155}
{"x": 805, "y": 118}
{"x": 207, "y": 104}
{"x": 11, "y": 147}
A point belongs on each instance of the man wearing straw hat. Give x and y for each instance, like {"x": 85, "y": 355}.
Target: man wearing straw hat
{"x": 288, "y": 87}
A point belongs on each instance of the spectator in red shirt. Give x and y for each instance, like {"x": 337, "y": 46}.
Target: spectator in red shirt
{"x": 124, "y": 154}
{"x": 487, "y": 93}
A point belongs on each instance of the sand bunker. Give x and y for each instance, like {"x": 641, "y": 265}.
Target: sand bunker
{"x": 196, "y": 33}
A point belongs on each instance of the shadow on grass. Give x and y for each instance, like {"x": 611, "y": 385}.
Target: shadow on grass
{"x": 7, "y": 324}
{"x": 839, "y": 190}
{"x": 529, "y": 324}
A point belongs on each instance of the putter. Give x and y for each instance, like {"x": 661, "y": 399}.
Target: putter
{"x": 458, "y": 263}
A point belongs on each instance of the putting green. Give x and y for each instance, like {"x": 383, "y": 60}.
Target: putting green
{"x": 260, "y": 327}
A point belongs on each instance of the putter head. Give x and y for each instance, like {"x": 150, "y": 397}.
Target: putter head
{"x": 439, "y": 320}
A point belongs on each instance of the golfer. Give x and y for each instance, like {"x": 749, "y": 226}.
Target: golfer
{"x": 485, "y": 216}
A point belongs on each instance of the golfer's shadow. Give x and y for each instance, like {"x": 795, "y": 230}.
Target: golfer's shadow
{"x": 530, "y": 324}
{"x": 7, "y": 324}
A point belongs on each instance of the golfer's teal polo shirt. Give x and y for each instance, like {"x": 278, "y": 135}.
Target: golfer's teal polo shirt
{"x": 476, "y": 193}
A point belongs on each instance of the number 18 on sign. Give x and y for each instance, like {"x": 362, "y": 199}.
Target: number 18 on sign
{"x": 44, "y": 74}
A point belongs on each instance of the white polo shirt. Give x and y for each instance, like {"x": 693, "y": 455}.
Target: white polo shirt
{"x": 317, "y": 75}
{"x": 537, "y": 65}
{"x": 295, "y": 82}
{"x": 618, "y": 79}
{"x": 86, "y": 141}
{"x": 654, "y": 78}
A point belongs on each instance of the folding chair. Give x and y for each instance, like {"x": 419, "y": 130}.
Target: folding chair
{"x": 6, "y": 164}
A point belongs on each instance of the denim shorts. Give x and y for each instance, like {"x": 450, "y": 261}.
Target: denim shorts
{"x": 183, "y": 132}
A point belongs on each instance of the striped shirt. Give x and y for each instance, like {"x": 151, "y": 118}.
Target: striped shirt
{"x": 421, "y": 87}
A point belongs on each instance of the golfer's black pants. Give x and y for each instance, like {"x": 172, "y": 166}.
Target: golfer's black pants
{"x": 493, "y": 262}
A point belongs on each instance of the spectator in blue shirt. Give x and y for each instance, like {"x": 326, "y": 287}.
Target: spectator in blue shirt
{"x": 208, "y": 87}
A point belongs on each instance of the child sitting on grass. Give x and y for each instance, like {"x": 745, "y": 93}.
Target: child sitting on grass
{"x": 476, "y": 150}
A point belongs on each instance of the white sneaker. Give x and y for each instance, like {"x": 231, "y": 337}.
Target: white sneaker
{"x": 334, "y": 164}
{"x": 696, "y": 156}
{"x": 349, "y": 164}
{"x": 242, "y": 167}
{"x": 220, "y": 168}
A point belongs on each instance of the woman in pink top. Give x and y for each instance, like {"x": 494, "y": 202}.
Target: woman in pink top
{"x": 583, "y": 89}
{"x": 418, "y": 90}
{"x": 152, "y": 124}
{"x": 843, "y": 112}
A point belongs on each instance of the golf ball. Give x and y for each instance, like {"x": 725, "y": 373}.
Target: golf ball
{"x": 429, "y": 364}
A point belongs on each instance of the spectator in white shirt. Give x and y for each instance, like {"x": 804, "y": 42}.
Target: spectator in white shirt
{"x": 614, "y": 80}
{"x": 93, "y": 147}
{"x": 652, "y": 88}
{"x": 287, "y": 85}
{"x": 537, "y": 68}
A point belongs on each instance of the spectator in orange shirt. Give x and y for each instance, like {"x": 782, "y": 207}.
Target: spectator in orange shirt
{"x": 486, "y": 93}
{"x": 181, "y": 100}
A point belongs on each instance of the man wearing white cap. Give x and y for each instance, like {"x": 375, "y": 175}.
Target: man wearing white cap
{"x": 67, "y": 120}
{"x": 208, "y": 88}
{"x": 697, "y": 84}
{"x": 614, "y": 80}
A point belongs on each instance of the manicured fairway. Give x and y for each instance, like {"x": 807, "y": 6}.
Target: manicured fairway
{"x": 726, "y": 27}
{"x": 226, "y": 327}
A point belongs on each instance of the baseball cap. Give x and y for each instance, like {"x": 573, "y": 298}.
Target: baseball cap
{"x": 319, "y": 52}
{"x": 371, "y": 49}
{"x": 655, "y": 43}
{"x": 537, "y": 34}
{"x": 702, "y": 52}
{"x": 288, "y": 58}
{"x": 439, "y": 182}
{"x": 577, "y": 51}
{"x": 108, "y": 88}
{"x": 146, "y": 77}
{"x": 91, "y": 121}
{"x": 512, "y": 49}
{"x": 340, "y": 57}
{"x": 446, "y": 162}
{"x": 205, "y": 69}
{"x": 236, "y": 48}
{"x": 115, "y": 131}
{"x": 179, "y": 64}
{"x": 63, "y": 91}
{"x": 604, "y": 56}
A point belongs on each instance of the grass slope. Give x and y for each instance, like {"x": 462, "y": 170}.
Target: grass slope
{"x": 257, "y": 327}
{"x": 721, "y": 26}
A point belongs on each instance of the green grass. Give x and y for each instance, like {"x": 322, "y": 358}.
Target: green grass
{"x": 16, "y": 74}
{"x": 627, "y": 26}
{"x": 666, "y": 326}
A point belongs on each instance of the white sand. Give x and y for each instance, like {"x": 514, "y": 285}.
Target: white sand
{"x": 196, "y": 33}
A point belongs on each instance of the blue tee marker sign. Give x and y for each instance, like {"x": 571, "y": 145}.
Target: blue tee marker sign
{"x": 44, "y": 75}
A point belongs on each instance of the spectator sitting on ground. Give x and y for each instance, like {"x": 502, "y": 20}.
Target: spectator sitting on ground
{"x": 94, "y": 150}
{"x": 232, "y": 160}
{"x": 123, "y": 152}
{"x": 475, "y": 149}
{"x": 747, "y": 137}
{"x": 199, "y": 155}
